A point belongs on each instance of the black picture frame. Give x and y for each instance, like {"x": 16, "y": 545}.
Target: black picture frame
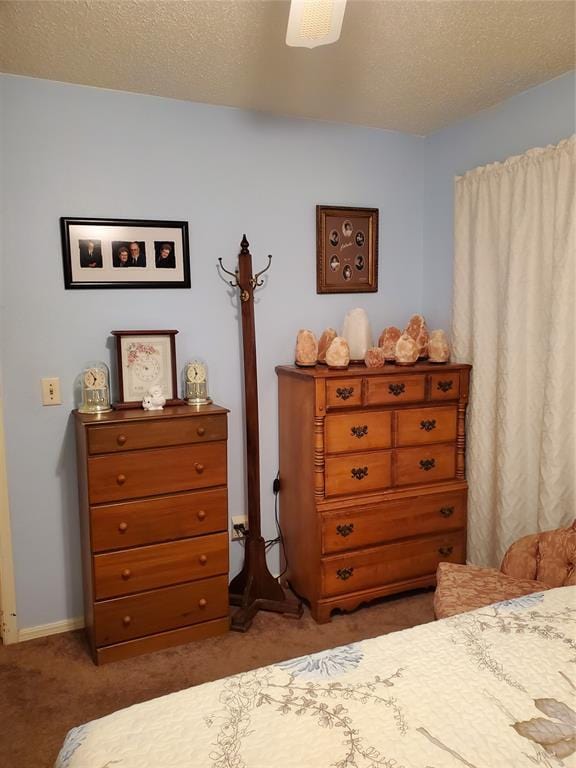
{"x": 93, "y": 252}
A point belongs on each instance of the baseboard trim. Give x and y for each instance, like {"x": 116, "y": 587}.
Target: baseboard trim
{"x": 44, "y": 630}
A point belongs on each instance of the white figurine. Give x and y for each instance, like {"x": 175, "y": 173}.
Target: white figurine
{"x": 154, "y": 400}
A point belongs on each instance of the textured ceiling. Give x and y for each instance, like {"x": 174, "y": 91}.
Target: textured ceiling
{"x": 406, "y": 65}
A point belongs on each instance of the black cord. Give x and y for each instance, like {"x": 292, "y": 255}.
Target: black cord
{"x": 278, "y": 528}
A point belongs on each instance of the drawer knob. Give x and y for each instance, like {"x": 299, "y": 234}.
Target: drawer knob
{"x": 428, "y": 424}
{"x": 201, "y": 431}
{"x": 201, "y": 514}
{"x": 344, "y": 392}
{"x": 127, "y": 620}
{"x": 345, "y": 530}
{"x": 396, "y": 389}
{"x": 202, "y": 603}
{"x": 445, "y": 551}
{"x": 123, "y": 527}
{"x": 359, "y": 472}
{"x": 444, "y": 386}
{"x": 359, "y": 431}
{"x": 121, "y": 439}
{"x": 126, "y": 573}
{"x": 121, "y": 479}
{"x": 447, "y": 511}
{"x": 199, "y": 467}
{"x": 427, "y": 464}
{"x": 344, "y": 573}
{"x": 202, "y": 559}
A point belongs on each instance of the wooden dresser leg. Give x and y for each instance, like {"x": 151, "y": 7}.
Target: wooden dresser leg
{"x": 321, "y": 613}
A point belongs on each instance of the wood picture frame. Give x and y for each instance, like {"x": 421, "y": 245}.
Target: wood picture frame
{"x": 125, "y": 253}
{"x": 145, "y": 359}
{"x": 346, "y": 249}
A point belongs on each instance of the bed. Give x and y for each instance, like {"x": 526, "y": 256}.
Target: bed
{"x": 493, "y": 688}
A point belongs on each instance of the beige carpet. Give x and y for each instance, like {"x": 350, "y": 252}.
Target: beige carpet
{"x": 47, "y": 686}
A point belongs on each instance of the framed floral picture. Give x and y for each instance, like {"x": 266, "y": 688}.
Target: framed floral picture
{"x": 125, "y": 253}
{"x": 346, "y": 249}
{"x": 145, "y": 359}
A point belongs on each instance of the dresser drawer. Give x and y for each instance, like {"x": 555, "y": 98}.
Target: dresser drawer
{"x": 165, "y": 518}
{"x": 358, "y": 473}
{"x": 391, "y": 563}
{"x": 444, "y": 386}
{"x": 155, "y": 434}
{"x": 160, "y": 565}
{"x": 424, "y": 465}
{"x": 160, "y": 610}
{"x": 359, "y": 430}
{"x": 131, "y": 474}
{"x": 384, "y": 390}
{"x": 341, "y": 393}
{"x": 416, "y": 426}
{"x": 416, "y": 516}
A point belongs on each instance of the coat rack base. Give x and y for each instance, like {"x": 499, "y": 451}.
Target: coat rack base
{"x": 255, "y": 589}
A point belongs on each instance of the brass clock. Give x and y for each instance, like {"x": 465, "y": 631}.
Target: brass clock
{"x": 197, "y": 384}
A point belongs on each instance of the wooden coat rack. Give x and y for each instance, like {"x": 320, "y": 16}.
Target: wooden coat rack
{"x": 254, "y": 588}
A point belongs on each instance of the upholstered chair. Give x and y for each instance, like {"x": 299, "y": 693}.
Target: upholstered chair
{"x": 533, "y": 563}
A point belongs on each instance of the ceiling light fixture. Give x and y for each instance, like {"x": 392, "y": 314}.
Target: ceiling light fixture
{"x": 314, "y": 22}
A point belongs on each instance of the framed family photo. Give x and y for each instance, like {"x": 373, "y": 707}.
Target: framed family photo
{"x": 145, "y": 359}
{"x": 346, "y": 249}
{"x": 125, "y": 253}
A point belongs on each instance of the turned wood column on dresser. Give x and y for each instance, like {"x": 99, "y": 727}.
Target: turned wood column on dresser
{"x": 154, "y": 526}
{"x": 372, "y": 479}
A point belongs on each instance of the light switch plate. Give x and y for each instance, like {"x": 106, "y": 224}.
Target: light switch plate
{"x": 51, "y": 392}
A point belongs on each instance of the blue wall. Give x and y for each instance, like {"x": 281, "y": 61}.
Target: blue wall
{"x": 543, "y": 115}
{"x": 76, "y": 151}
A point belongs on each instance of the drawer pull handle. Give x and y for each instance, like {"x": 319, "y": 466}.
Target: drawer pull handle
{"x": 126, "y": 573}
{"x": 428, "y": 425}
{"x": 202, "y": 559}
{"x": 344, "y": 573}
{"x": 447, "y": 511}
{"x": 202, "y": 603}
{"x": 199, "y": 467}
{"x": 396, "y": 389}
{"x": 201, "y": 431}
{"x": 123, "y": 527}
{"x": 427, "y": 464}
{"x": 359, "y": 431}
{"x": 344, "y": 392}
{"x": 127, "y": 620}
{"x": 444, "y": 386}
{"x": 121, "y": 479}
{"x": 201, "y": 514}
{"x": 121, "y": 439}
{"x": 359, "y": 472}
{"x": 345, "y": 530}
{"x": 445, "y": 551}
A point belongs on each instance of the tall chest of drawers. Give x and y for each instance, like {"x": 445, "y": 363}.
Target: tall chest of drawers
{"x": 154, "y": 527}
{"x": 372, "y": 479}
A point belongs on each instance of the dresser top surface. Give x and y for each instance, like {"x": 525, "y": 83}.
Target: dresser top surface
{"x": 139, "y": 414}
{"x": 359, "y": 369}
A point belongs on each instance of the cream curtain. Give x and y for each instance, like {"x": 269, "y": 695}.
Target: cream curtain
{"x": 515, "y": 321}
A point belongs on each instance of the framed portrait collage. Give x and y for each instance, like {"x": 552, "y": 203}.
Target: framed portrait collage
{"x": 125, "y": 253}
{"x": 346, "y": 249}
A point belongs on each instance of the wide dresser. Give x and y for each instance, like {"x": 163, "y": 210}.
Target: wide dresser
{"x": 372, "y": 479}
{"x": 154, "y": 527}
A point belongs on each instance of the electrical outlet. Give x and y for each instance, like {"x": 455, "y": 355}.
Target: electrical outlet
{"x": 51, "y": 392}
{"x": 239, "y": 527}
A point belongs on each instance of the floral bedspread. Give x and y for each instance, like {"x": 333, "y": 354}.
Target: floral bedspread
{"x": 494, "y": 688}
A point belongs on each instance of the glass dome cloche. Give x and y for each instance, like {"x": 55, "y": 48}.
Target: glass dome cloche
{"x": 196, "y": 383}
{"x": 94, "y": 383}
